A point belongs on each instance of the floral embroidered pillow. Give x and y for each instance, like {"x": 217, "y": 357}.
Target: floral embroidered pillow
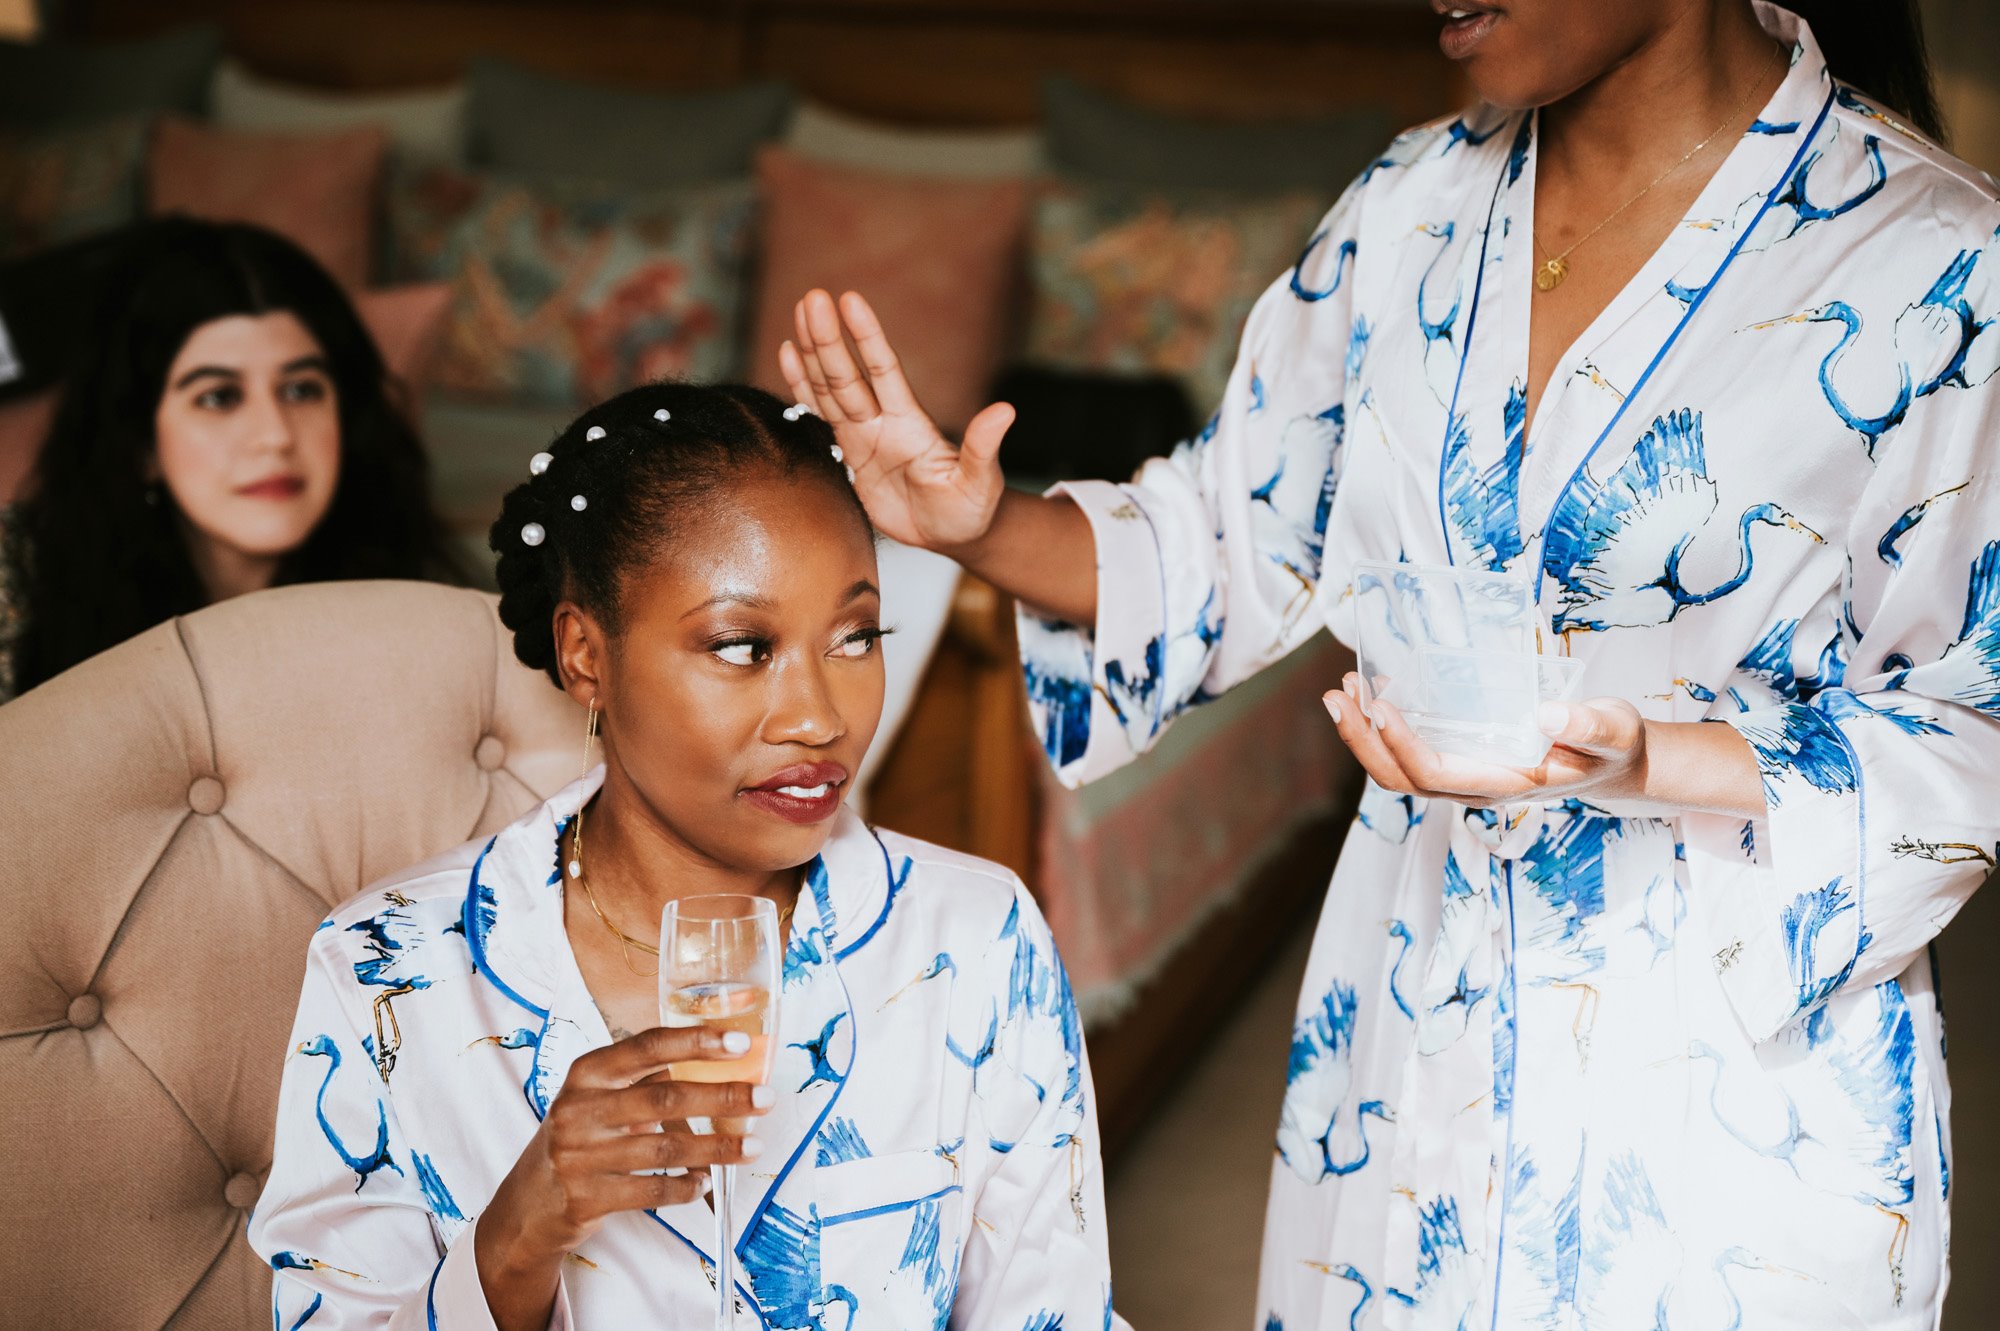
{"x": 1135, "y": 282}
{"x": 563, "y": 295}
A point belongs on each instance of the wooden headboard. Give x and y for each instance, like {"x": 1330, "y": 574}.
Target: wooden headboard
{"x": 962, "y": 62}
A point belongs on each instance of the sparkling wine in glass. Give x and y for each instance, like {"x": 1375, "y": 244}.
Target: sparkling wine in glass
{"x": 719, "y": 958}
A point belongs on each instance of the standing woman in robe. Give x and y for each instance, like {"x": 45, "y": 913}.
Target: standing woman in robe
{"x": 1696, "y": 335}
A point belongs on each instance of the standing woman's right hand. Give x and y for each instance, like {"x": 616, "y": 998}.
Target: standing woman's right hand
{"x": 918, "y": 488}
{"x": 619, "y": 1114}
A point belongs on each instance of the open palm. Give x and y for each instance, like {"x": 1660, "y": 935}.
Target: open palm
{"x": 918, "y": 487}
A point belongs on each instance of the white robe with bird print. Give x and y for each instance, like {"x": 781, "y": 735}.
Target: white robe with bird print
{"x": 1567, "y": 1067}
{"x": 931, "y": 1160}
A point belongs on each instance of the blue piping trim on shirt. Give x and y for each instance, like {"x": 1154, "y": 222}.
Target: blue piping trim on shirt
{"x": 895, "y": 886}
{"x": 811, "y": 1134}
{"x": 430, "y": 1292}
{"x": 475, "y": 936}
{"x": 1465, "y": 357}
{"x": 1513, "y": 1098}
{"x": 1166, "y": 629}
{"x": 888, "y": 1208}
{"x": 749, "y": 1299}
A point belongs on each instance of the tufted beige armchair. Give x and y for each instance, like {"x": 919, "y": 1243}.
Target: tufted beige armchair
{"x": 175, "y": 817}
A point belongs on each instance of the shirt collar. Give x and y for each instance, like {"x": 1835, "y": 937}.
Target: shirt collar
{"x": 514, "y": 898}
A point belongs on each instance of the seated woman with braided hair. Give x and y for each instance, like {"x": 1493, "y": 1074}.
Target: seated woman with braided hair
{"x": 511, "y": 1151}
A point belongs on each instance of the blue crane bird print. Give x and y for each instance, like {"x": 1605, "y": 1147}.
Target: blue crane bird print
{"x": 1616, "y": 548}
{"x": 1939, "y": 341}
{"x": 363, "y": 1159}
{"x": 1320, "y": 1132}
{"x": 1754, "y": 494}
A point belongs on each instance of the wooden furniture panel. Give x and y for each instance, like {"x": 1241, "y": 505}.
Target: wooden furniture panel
{"x": 918, "y": 61}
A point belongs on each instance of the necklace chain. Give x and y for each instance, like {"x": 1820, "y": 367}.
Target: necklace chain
{"x": 627, "y": 941}
{"x": 1549, "y": 275}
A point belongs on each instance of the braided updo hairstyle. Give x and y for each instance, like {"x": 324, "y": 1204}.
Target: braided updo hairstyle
{"x": 618, "y": 482}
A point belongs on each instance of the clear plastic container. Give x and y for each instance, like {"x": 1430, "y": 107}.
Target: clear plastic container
{"x": 1454, "y": 650}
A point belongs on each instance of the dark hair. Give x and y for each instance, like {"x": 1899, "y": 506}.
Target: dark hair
{"x": 99, "y": 558}
{"x": 1878, "y": 46}
{"x": 662, "y": 449}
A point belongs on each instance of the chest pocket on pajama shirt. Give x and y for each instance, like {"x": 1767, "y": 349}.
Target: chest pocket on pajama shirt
{"x": 889, "y": 1241}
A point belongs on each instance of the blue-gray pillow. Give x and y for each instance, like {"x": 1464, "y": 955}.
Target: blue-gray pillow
{"x": 534, "y": 125}
{"x": 1099, "y": 137}
{"x": 53, "y": 83}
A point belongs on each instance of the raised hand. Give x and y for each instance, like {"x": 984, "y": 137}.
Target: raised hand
{"x": 918, "y": 487}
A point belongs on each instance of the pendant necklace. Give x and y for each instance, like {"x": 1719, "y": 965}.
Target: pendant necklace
{"x": 626, "y": 941}
{"x": 1554, "y": 268}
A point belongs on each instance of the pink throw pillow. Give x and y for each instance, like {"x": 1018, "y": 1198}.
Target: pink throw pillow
{"x": 940, "y": 261}
{"x": 407, "y": 323}
{"x": 319, "y": 190}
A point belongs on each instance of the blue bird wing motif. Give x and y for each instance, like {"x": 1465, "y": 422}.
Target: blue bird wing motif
{"x": 818, "y": 1052}
{"x": 436, "y": 1195}
{"x": 1617, "y": 539}
{"x": 1631, "y": 1256}
{"x": 1820, "y": 966}
{"x": 1290, "y": 509}
{"x": 1055, "y": 660}
{"x": 1544, "y": 1230}
{"x": 1799, "y": 743}
{"x": 1770, "y": 660}
{"x": 1968, "y": 672}
{"x": 1484, "y": 505}
{"x": 1557, "y": 918}
{"x": 1451, "y": 989}
{"x": 781, "y": 1255}
{"x": 1317, "y": 1081}
{"x": 840, "y": 1141}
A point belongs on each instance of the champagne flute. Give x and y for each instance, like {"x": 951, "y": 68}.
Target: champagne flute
{"x": 719, "y": 959}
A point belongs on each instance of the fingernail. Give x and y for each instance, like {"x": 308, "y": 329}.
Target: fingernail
{"x": 1381, "y": 719}
{"x": 762, "y": 1097}
{"x": 735, "y": 1042}
{"x": 707, "y": 1185}
{"x": 753, "y": 1146}
{"x": 1332, "y": 702}
{"x": 1553, "y": 717}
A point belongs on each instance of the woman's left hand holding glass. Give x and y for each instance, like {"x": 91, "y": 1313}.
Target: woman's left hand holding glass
{"x": 1603, "y": 751}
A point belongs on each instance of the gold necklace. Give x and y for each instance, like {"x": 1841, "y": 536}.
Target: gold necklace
{"x": 628, "y": 942}
{"x": 1549, "y": 275}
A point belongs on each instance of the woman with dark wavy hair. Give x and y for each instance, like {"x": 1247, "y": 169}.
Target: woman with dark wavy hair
{"x": 231, "y": 427}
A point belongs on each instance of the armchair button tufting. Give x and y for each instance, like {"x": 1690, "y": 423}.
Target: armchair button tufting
{"x": 205, "y": 795}
{"x": 490, "y": 753}
{"x": 85, "y": 1011}
{"x": 242, "y": 1191}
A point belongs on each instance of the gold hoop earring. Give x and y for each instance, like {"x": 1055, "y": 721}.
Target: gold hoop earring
{"x": 575, "y": 865}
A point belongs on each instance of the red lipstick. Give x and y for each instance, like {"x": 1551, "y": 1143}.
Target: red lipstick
{"x": 804, "y": 793}
{"x": 274, "y": 487}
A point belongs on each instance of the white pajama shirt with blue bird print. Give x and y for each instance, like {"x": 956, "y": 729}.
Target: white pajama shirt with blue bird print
{"x": 931, "y": 1160}
{"x": 1565, "y": 1067}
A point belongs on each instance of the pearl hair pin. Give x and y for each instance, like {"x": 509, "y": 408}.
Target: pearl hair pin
{"x": 838, "y": 456}
{"x": 532, "y": 534}
{"x": 578, "y": 503}
{"x": 663, "y": 415}
{"x": 539, "y": 463}
{"x": 593, "y": 434}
